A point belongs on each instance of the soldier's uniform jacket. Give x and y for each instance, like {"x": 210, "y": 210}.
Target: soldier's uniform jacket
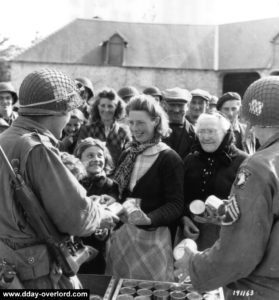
{"x": 62, "y": 197}
{"x": 245, "y": 257}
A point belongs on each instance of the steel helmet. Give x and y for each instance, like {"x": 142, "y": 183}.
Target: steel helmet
{"x": 260, "y": 104}
{"x": 8, "y": 87}
{"x": 127, "y": 92}
{"x": 48, "y": 92}
{"x": 86, "y": 82}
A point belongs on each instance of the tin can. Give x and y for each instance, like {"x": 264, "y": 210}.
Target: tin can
{"x": 160, "y": 295}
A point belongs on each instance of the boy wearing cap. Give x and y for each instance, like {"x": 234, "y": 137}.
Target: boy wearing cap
{"x": 46, "y": 99}
{"x": 229, "y": 104}
{"x": 197, "y": 105}
{"x": 212, "y": 106}
{"x": 183, "y": 135}
{"x": 245, "y": 257}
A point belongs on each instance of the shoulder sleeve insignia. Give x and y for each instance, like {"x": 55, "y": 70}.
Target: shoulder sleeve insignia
{"x": 241, "y": 178}
{"x": 255, "y": 107}
{"x": 232, "y": 212}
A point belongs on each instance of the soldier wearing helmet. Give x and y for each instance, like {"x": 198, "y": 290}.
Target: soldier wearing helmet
{"x": 245, "y": 258}
{"x": 86, "y": 90}
{"x": 8, "y": 97}
{"x": 127, "y": 92}
{"x": 46, "y": 100}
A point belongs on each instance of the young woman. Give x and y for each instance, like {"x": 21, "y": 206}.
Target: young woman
{"x": 152, "y": 173}
{"x": 106, "y": 111}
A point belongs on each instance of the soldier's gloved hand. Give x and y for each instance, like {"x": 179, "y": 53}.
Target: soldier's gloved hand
{"x": 190, "y": 230}
{"x": 210, "y": 216}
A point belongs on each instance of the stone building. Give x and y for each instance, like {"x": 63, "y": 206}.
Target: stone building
{"x": 217, "y": 58}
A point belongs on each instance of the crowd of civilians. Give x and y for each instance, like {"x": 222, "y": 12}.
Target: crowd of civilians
{"x": 164, "y": 148}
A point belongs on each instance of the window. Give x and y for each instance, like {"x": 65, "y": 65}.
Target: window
{"x": 115, "y": 50}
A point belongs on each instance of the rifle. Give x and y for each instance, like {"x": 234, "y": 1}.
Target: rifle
{"x": 68, "y": 252}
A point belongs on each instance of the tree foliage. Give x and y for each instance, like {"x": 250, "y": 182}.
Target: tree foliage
{"x": 8, "y": 51}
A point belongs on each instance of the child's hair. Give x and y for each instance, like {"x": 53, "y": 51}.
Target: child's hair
{"x": 89, "y": 142}
{"x": 74, "y": 164}
{"x": 77, "y": 114}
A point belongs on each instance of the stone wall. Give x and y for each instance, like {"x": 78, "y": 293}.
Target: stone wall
{"x": 117, "y": 77}
{"x": 5, "y": 74}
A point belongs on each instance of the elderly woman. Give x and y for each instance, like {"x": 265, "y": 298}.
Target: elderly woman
{"x": 106, "y": 111}
{"x": 152, "y": 174}
{"x": 209, "y": 170}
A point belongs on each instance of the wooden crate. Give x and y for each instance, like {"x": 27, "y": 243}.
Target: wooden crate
{"x": 100, "y": 285}
{"x": 219, "y": 293}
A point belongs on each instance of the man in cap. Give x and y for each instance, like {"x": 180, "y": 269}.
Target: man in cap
{"x": 8, "y": 97}
{"x": 154, "y": 92}
{"x": 212, "y": 105}
{"x": 183, "y": 135}
{"x": 245, "y": 257}
{"x": 46, "y": 99}
{"x": 229, "y": 104}
{"x": 197, "y": 105}
{"x": 86, "y": 91}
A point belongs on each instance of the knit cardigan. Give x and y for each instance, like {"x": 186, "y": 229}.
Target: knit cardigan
{"x": 161, "y": 189}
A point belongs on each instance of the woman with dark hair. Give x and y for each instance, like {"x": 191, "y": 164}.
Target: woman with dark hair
{"x": 107, "y": 110}
{"x": 150, "y": 175}
{"x": 210, "y": 169}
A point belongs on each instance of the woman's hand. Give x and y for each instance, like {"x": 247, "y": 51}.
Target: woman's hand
{"x": 190, "y": 230}
{"x": 140, "y": 219}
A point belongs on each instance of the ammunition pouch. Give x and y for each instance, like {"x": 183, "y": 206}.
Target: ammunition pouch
{"x": 30, "y": 262}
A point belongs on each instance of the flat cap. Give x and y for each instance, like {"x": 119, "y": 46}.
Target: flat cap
{"x": 227, "y": 97}
{"x": 177, "y": 95}
{"x": 201, "y": 93}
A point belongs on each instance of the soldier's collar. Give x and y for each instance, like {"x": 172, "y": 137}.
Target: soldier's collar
{"x": 33, "y": 126}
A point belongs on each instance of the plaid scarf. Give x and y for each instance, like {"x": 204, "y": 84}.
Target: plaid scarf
{"x": 127, "y": 161}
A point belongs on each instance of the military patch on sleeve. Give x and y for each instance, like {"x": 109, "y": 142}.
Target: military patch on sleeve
{"x": 241, "y": 178}
{"x": 232, "y": 212}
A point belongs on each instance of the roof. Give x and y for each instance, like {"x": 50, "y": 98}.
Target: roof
{"x": 244, "y": 45}
{"x": 149, "y": 45}
{"x": 247, "y": 45}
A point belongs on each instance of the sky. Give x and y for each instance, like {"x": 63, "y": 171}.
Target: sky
{"x": 26, "y": 20}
